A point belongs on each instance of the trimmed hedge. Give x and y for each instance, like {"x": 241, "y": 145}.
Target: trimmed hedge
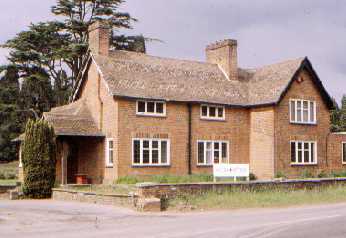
{"x": 38, "y": 158}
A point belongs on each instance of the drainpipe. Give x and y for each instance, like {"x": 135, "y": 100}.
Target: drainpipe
{"x": 190, "y": 139}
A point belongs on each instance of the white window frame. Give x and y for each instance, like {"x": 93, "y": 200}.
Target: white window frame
{"x": 150, "y": 164}
{"x": 295, "y": 119}
{"x": 108, "y": 163}
{"x": 303, "y": 154}
{"x": 20, "y": 165}
{"x": 150, "y": 114}
{"x": 216, "y": 118}
{"x": 343, "y": 160}
{"x": 212, "y": 151}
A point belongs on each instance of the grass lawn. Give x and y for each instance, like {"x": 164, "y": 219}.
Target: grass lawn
{"x": 7, "y": 182}
{"x": 9, "y": 171}
{"x": 263, "y": 199}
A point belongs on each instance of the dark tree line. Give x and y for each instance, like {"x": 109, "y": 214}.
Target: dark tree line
{"x": 338, "y": 116}
{"x": 46, "y": 59}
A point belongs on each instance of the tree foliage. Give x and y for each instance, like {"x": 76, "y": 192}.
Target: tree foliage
{"x": 338, "y": 116}
{"x": 38, "y": 158}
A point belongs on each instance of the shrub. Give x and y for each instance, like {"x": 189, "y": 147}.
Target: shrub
{"x": 253, "y": 177}
{"x": 196, "y": 178}
{"x": 306, "y": 174}
{"x": 38, "y": 159}
{"x": 280, "y": 174}
{"x": 322, "y": 174}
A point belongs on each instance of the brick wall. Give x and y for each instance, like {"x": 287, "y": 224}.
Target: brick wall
{"x": 262, "y": 142}
{"x": 285, "y": 131}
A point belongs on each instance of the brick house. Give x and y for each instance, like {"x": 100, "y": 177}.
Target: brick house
{"x": 135, "y": 114}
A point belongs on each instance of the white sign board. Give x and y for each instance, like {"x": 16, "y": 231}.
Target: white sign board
{"x": 231, "y": 170}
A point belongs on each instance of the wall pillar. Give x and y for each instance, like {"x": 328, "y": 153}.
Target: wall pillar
{"x": 64, "y": 156}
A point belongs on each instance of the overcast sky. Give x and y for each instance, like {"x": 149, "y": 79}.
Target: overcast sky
{"x": 267, "y": 31}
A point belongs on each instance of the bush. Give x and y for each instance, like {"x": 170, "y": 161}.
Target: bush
{"x": 280, "y": 174}
{"x": 38, "y": 159}
{"x": 196, "y": 178}
{"x": 253, "y": 177}
{"x": 322, "y": 174}
{"x": 306, "y": 174}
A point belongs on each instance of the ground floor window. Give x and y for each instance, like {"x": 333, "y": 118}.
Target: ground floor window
{"x": 344, "y": 152}
{"x": 109, "y": 152}
{"x": 151, "y": 152}
{"x": 303, "y": 152}
{"x": 212, "y": 152}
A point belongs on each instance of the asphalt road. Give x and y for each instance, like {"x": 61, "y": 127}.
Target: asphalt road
{"x": 59, "y": 219}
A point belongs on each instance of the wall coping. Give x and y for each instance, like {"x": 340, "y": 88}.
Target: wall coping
{"x": 289, "y": 181}
{"x": 93, "y": 193}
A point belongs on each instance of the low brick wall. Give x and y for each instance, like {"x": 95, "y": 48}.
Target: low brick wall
{"x": 173, "y": 190}
{"x": 104, "y": 199}
{"x": 5, "y": 189}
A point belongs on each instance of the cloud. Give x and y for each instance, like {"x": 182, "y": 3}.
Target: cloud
{"x": 267, "y": 31}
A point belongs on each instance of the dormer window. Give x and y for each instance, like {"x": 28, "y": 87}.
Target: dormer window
{"x": 302, "y": 111}
{"x": 212, "y": 112}
{"x": 151, "y": 108}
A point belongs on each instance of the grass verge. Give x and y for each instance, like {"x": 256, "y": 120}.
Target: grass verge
{"x": 8, "y": 182}
{"x": 9, "y": 171}
{"x": 259, "y": 199}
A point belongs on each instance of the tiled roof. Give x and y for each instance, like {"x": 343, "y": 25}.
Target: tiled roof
{"x": 137, "y": 75}
{"x": 73, "y": 120}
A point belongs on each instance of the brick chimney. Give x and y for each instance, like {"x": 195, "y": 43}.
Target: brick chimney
{"x": 224, "y": 53}
{"x": 99, "y": 37}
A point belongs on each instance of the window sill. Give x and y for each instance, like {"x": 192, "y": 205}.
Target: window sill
{"x": 150, "y": 166}
{"x": 212, "y": 119}
{"x": 205, "y": 165}
{"x": 304, "y": 123}
{"x": 151, "y": 115}
{"x": 301, "y": 165}
{"x": 109, "y": 166}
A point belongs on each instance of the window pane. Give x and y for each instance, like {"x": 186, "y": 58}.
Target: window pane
{"x": 305, "y": 111}
{"x": 224, "y": 153}
{"x": 159, "y": 108}
{"x": 299, "y": 111}
{"x": 204, "y": 111}
{"x": 146, "y": 157}
{"x": 155, "y": 144}
{"x": 306, "y": 156}
{"x": 300, "y": 156}
{"x": 146, "y": 144}
{"x": 200, "y": 152}
{"x": 312, "y": 112}
{"x": 151, "y": 107}
{"x": 155, "y": 156}
{"x": 293, "y": 152}
{"x": 136, "y": 152}
{"x": 212, "y": 111}
{"x": 110, "y": 144}
{"x": 216, "y": 157}
{"x": 293, "y": 110}
{"x": 208, "y": 153}
{"x": 216, "y": 146}
{"x": 110, "y": 156}
{"x": 164, "y": 151}
{"x": 312, "y": 150}
{"x": 141, "y": 106}
{"x": 344, "y": 152}
{"x": 220, "y": 112}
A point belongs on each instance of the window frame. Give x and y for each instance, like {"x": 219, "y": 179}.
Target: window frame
{"x": 108, "y": 149}
{"x": 150, "y": 164}
{"x": 295, "y": 119}
{"x": 343, "y": 145}
{"x": 150, "y": 114}
{"x": 212, "y": 151}
{"x": 303, "y": 152}
{"x": 216, "y": 118}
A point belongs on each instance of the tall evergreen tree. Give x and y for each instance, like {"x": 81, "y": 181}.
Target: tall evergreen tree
{"x": 10, "y": 117}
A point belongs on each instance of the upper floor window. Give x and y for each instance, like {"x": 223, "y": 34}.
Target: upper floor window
{"x": 302, "y": 111}
{"x": 151, "y": 108}
{"x": 109, "y": 152}
{"x": 150, "y": 152}
{"x": 303, "y": 152}
{"x": 213, "y": 112}
{"x": 212, "y": 152}
{"x": 343, "y": 152}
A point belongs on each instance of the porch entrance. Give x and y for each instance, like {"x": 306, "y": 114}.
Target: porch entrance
{"x": 72, "y": 163}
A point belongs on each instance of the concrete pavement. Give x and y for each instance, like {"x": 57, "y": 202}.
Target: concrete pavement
{"x": 60, "y": 219}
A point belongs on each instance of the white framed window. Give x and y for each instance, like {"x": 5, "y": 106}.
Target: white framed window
{"x": 213, "y": 112}
{"x": 151, "y": 108}
{"x": 151, "y": 152}
{"x": 302, "y": 111}
{"x": 303, "y": 152}
{"x": 212, "y": 152}
{"x": 109, "y": 152}
{"x": 343, "y": 152}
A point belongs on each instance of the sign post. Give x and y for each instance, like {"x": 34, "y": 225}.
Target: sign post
{"x": 231, "y": 170}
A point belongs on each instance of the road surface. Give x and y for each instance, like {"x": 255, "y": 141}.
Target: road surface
{"x": 61, "y": 219}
